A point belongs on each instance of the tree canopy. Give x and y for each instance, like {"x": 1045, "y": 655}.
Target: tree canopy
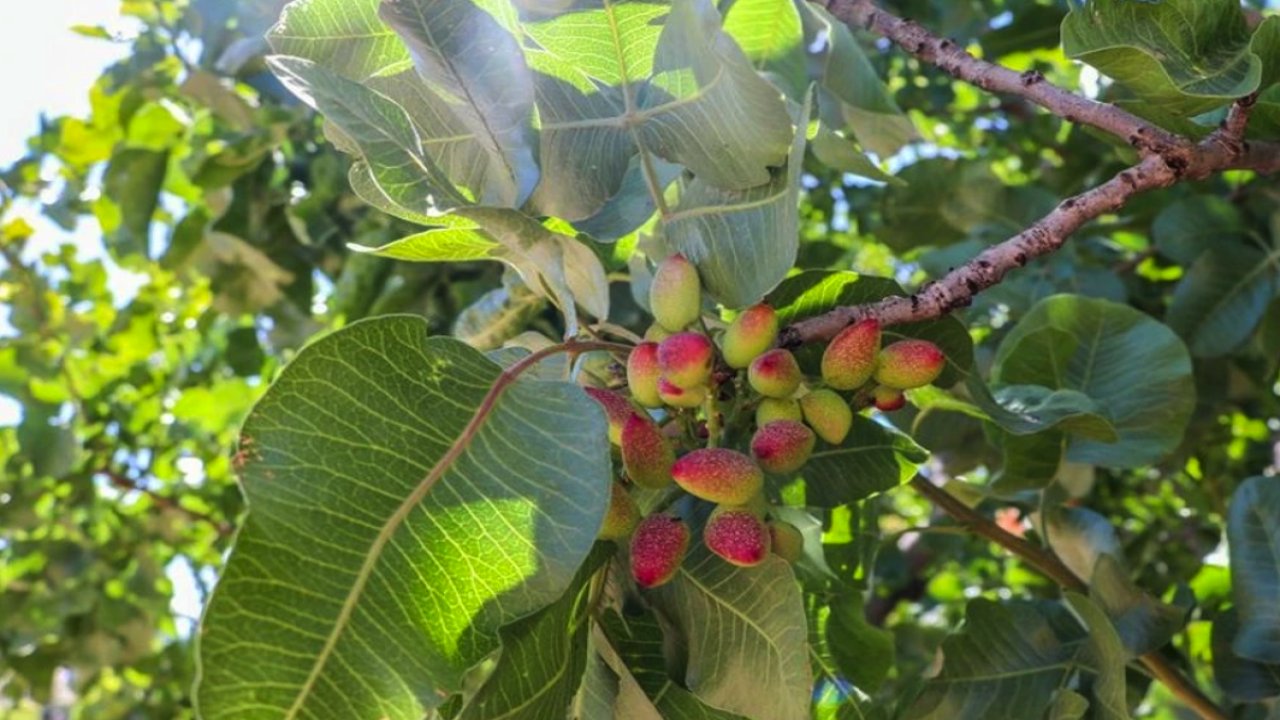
{"x": 324, "y": 377}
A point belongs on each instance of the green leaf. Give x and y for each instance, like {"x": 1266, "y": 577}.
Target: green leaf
{"x": 130, "y": 196}
{"x": 544, "y": 656}
{"x": 941, "y": 202}
{"x": 1253, "y": 538}
{"x": 1009, "y": 659}
{"x": 770, "y": 35}
{"x": 1243, "y": 680}
{"x": 1079, "y": 537}
{"x": 1222, "y": 297}
{"x": 745, "y": 633}
{"x": 743, "y": 241}
{"x": 395, "y": 171}
{"x": 665, "y": 81}
{"x": 1143, "y": 623}
{"x": 403, "y": 508}
{"x": 418, "y": 144}
{"x": 873, "y": 458}
{"x": 838, "y": 64}
{"x": 815, "y": 292}
{"x": 840, "y": 153}
{"x": 1135, "y": 370}
{"x": 863, "y": 652}
{"x": 1186, "y": 228}
{"x": 638, "y": 639}
{"x": 1026, "y": 409}
{"x": 1183, "y": 57}
{"x": 475, "y": 66}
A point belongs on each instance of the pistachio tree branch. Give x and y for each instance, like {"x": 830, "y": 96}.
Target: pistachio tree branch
{"x": 1224, "y": 149}
{"x": 954, "y": 59}
{"x": 1047, "y": 563}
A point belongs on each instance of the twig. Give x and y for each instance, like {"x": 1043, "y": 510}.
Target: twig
{"x": 950, "y": 57}
{"x": 164, "y": 501}
{"x": 1048, "y": 564}
{"x": 1168, "y": 161}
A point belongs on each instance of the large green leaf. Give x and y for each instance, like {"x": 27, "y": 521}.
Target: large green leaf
{"x": 617, "y": 79}
{"x": 873, "y": 458}
{"x": 1183, "y": 57}
{"x": 1008, "y": 661}
{"x": 745, "y": 633}
{"x": 743, "y": 241}
{"x": 770, "y": 35}
{"x": 1222, "y": 297}
{"x": 815, "y": 292}
{"x": 402, "y": 510}
{"x": 543, "y": 657}
{"x": 1136, "y": 371}
{"x": 1143, "y": 623}
{"x": 863, "y": 652}
{"x": 1253, "y": 538}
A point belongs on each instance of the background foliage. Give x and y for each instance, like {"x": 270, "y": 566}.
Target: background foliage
{"x": 229, "y": 206}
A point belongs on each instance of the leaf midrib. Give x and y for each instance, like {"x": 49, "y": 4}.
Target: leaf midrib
{"x": 389, "y": 528}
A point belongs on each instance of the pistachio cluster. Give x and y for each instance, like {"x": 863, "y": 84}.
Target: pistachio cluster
{"x": 671, "y": 427}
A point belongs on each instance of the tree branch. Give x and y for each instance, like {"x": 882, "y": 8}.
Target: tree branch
{"x": 1044, "y": 561}
{"x": 164, "y": 501}
{"x": 949, "y": 56}
{"x": 1168, "y": 159}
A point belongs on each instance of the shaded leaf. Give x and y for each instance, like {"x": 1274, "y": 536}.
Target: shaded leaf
{"x": 745, "y": 633}
{"x": 130, "y": 196}
{"x": 1143, "y": 623}
{"x": 1137, "y": 372}
{"x": 1243, "y": 680}
{"x": 402, "y": 511}
{"x": 1222, "y": 297}
{"x": 1010, "y": 659}
{"x": 863, "y": 652}
{"x": 873, "y": 458}
{"x": 743, "y": 241}
{"x": 1253, "y": 538}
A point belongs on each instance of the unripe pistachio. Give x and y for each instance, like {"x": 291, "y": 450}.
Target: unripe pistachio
{"x": 616, "y": 409}
{"x": 685, "y": 359}
{"x": 772, "y": 409}
{"x": 775, "y": 374}
{"x": 679, "y": 397}
{"x": 656, "y": 333}
{"x": 888, "y": 399}
{"x": 675, "y": 297}
{"x": 621, "y": 517}
{"x": 643, "y": 374}
{"x": 719, "y": 475}
{"x": 909, "y": 364}
{"x": 850, "y": 358}
{"x": 828, "y": 414}
{"x": 783, "y": 446}
{"x": 738, "y": 535}
{"x": 786, "y": 540}
{"x": 647, "y": 456}
{"x": 658, "y": 546}
{"x": 749, "y": 335}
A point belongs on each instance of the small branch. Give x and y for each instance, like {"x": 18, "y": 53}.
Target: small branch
{"x": 164, "y": 501}
{"x": 950, "y": 57}
{"x": 1046, "y": 563}
{"x": 957, "y": 288}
